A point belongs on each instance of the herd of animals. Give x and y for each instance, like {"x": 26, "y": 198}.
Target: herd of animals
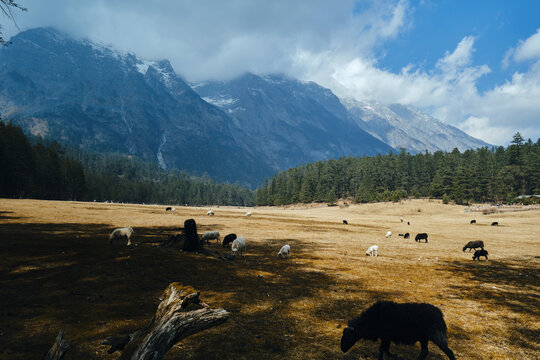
{"x": 405, "y": 323}
{"x": 373, "y": 250}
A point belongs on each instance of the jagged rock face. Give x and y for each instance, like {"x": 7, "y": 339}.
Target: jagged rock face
{"x": 242, "y": 130}
{"x": 405, "y": 127}
{"x": 288, "y": 122}
{"x": 91, "y": 96}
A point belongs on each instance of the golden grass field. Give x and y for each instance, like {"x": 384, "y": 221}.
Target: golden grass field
{"x": 58, "y": 272}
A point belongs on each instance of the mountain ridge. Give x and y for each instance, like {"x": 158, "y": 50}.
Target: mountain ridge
{"x": 101, "y": 99}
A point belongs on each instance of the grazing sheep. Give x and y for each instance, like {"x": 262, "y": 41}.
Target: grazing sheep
{"x": 421, "y": 236}
{"x": 228, "y": 239}
{"x": 210, "y": 235}
{"x": 479, "y": 253}
{"x": 168, "y": 208}
{"x": 121, "y": 233}
{"x": 495, "y": 223}
{"x": 248, "y": 214}
{"x": 473, "y": 221}
{"x": 401, "y": 324}
{"x": 373, "y": 249}
{"x": 400, "y": 234}
{"x": 473, "y": 245}
{"x": 345, "y": 222}
{"x": 401, "y": 219}
{"x": 285, "y": 251}
{"x": 388, "y": 234}
{"x": 209, "y": 213}
{"x": 406, "y": 236}
{"x": 408, "y": 223}
{"x": 173, "y": 209}
{"x": 239, "y": 246}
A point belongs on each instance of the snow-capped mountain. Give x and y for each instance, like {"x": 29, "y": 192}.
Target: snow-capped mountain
{"x": 404, "y": 127}
{"x": 288, "y": 122}
{"x": 89, "y": 95}
{"x": 95, "y": 97}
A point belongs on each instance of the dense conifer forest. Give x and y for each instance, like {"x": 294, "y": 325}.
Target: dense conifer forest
{"x": 34, "y": 168}
{"x": 483, "y": 175}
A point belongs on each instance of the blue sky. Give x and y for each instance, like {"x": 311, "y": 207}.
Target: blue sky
{"x": 436, "y": 26}
{"x": 472, "y": 64}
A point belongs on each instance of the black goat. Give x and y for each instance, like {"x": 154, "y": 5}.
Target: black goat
{"x": 421, "y": 236}
{"x": 406, "y": 236}
{"x": 168, "y": 209}
{"x": 479, "y": 253}
{"x": 400, "y": 324}
{"x": 345, "y": 222}
{"x": 495, "y": 223}
{"x": 473, "y": 245}
{"x": 228, "y": 239}
{"x": 473, "y": 221}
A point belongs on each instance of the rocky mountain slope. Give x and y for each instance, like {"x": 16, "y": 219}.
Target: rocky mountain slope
{"x": 243, "y": 130}
{"x": 404, "y": 127}
{"x": 91, "y": 96}
{"x": 289, "y": 122}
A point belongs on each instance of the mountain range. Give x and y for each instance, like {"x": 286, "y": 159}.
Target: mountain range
{"x": 100, "y": 99}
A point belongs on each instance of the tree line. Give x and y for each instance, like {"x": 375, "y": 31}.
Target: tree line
{"x": 483, "y": 175}
{"x": 40, "y": 169}
{"x": 35, "y": 168}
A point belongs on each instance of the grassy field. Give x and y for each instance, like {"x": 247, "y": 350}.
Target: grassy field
{"x": 58, "y": 272}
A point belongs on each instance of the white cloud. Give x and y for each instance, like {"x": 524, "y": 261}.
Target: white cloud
{"x": 528, "y": 49}
{"x": 448, "y": 92}
{"x": 459, "y": 58}
{"x": 334, "y": 43}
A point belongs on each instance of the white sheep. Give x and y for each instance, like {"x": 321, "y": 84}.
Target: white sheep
{"x": 173, "y": 209}
{"x": 210, "y": 213}
{"x": 248, "y": 214}
{"x": 373, "y": 249}
{"x": 388, "y": 234}
{"x": 210, "y": 235}
{"x": 285, "y": 251}
{"x": 239, "y": 246}
{"x": 121, "y": 233}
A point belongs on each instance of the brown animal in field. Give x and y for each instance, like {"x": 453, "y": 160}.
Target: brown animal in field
{"x": 474, "y": 245}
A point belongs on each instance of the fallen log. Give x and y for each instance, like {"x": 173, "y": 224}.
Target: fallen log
{"x": 180, "y": 314}
{"x": 59, "y": 348}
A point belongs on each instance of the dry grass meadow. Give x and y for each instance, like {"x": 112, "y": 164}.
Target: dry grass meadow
{"x": 58, "y": 272}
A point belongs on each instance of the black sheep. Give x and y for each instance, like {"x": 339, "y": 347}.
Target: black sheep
{"x": 473, "y": 245}
{"x": 400, "y": 324}
{"x": 345, "y": 222}
{"x": 421, "y": 236}
{"x": 228, "y": 239}
{"x": 406, "y": 236}
{"x": 495, "y": 223}
{"x": 168, "y": 209}
{"x": 473, "y": 221}
{"x": 479, "y": 253}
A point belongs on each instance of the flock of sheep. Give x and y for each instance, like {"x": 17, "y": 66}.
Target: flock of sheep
{"x": 388, "y": 321}
{"x": 373, "y": 250}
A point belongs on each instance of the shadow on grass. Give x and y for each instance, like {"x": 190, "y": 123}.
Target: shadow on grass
{"x": 3, "y": 215}
{"x": 511, "y": 285}
{"x": 67, "y": 277}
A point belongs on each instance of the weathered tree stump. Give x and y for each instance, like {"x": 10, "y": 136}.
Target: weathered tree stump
{"x": 180, "y": 314}
{"x": 59, "y": 348}
{"x": 191, "y": 242}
